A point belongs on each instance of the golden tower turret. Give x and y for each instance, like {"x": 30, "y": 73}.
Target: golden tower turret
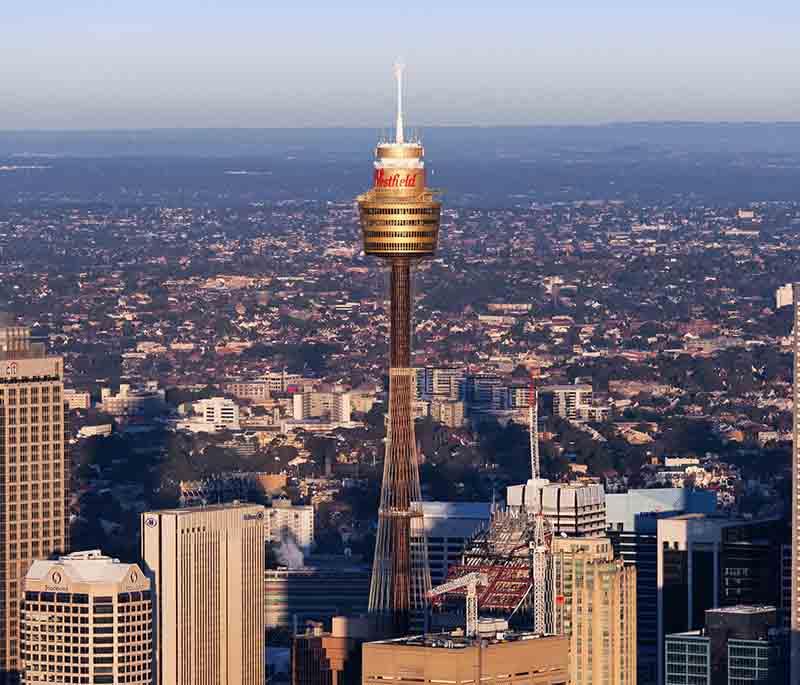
{"x": 399, "y": 214}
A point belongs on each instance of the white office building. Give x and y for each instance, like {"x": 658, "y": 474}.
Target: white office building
{"x": 575, "y": 509}
{"x": 288, "y": 523}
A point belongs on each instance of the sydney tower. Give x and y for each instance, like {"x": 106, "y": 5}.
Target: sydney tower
{"x": 400, "y": 224}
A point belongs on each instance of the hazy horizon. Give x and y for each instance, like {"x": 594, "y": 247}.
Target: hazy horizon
{"x": 118, "y": 66}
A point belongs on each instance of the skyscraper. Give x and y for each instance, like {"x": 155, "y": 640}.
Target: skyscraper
{"x": 207, "y": 569}
{"x": 34, "y": 472}
{"x": 705, "y": 562}
{"x": 400, "y": 223}
{"x": 632, "y": 528}
{"x": 87, "y": 618}
{"x": 795, "y": 609}
{"x": 596, "y": 600}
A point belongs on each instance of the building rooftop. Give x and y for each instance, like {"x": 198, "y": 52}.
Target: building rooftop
{"x": 457, "y": 640}
{"x": 187, "y": 511}
{"x": 743, "y": 609}
{"x": 476, "y": 510}
{"x": 91, "y": 566}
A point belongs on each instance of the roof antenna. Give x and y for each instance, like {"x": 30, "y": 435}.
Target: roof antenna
{"x": 399, "y": 67}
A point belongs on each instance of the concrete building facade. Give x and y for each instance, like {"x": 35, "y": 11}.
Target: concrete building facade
{"x": 568, "y": 401}
{"x": 34, "y": 473}
{"x": 706, "y": 562}
{"x": 207, "y": 569}
{"x": 257, "y": 391}
{"x": 333, "y": 406}
{"x": 448, "y": 527}
{"x": 448, "y": 412}
{"x": 508, "y": 658}
{"x": 217, "y": 413}
{"x": 739, "y": 645}
{"x": 596, "y": 608}
{"x": 129, "y": 401}
{"x": 293, "y": 523}
{"x": 573, "y": 509}
{"x": 87, "y": 618}
{"x": 632, "y": 527}
{"x": 314, "y": 592}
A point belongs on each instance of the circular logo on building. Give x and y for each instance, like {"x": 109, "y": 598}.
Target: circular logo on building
{"x": 260, "y": 515}
{"x": 56, "y": 577}
{"x": 151, "y": 522}
{"x": 134, "y": 576}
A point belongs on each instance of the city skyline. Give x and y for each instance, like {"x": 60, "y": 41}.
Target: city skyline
{"x": 180, "y": 64}
{"x": 285, "y": 400}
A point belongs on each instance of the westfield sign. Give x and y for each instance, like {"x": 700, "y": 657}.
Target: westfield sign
{"x": 395, "y": 180}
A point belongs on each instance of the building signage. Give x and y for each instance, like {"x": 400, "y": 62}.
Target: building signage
{"x": 398, "y": 179}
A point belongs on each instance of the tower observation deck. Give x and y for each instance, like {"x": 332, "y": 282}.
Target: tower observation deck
{"x": 400, "y": 223}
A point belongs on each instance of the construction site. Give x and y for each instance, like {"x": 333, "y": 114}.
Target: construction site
{"x": 506, "y": 569}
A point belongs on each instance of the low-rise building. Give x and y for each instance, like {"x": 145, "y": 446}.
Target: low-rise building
{"x": 77, "y": 400}
{"x": 738, "y": 645}
{"x": 211, "y": 415}
{"x": 329, "y": 658}
{"x": 448, "y": 412}
{"x": 257, "y": 391}
{"x": 316, "y": 592}
{"x": 497, "y": 657}
{"x": 129, "y": 401}
{"x": 290, "y": 524}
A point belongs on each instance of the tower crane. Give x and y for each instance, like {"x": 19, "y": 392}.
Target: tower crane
{"x": 470, "y": 581}
{"x": 533, "y": 424}
{"x": 542, "y": 559}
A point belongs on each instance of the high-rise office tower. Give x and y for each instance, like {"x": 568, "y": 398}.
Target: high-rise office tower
{"x": 87, "y": 618}
{"x": 400, "y": 222}
{"x": 795, "y": 609}
{"x": 596, "y": 608}
{"x": 34, "y": 472}
{"x": 207, "y": 570}
{"x": 706, "y": 562}
{"x": 632, "y": 528}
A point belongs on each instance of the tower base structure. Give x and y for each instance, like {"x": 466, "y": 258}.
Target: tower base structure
{"x": 400, "y": 578}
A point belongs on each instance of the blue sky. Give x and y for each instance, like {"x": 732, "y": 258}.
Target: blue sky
{"x": 249, "y": 63}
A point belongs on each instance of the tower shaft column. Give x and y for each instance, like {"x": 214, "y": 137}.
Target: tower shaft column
{"x": 401, "y": 312}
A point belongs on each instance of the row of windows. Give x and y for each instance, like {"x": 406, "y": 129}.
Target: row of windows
{"x": 82, "y": 598}
{"x": 396, "y": 247}
{"x": 401, "y": 210}
{"x": 403, "y": 222}
{"x": 400, "y": 234}
{"x": 43, "y": 435}
{"x": 37, "y": 659}
{"x": 22, "y": 417}
{"x": 20, "y": 395}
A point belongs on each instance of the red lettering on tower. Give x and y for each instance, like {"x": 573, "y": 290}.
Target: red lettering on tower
{"x": 395, "y": 180}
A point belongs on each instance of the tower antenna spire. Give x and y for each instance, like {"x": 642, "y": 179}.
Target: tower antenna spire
{"x": 399, "y": 68}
